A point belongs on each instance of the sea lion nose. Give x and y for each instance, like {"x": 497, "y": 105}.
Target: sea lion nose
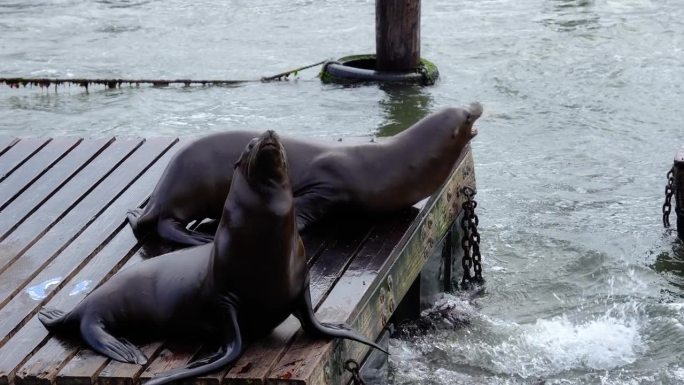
{"x": 475, "y": 109}
{"x": 270, "y": 134}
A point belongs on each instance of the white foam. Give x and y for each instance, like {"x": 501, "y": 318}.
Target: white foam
{"x": 560, "y": 344}
{"x": 544, "y": 348}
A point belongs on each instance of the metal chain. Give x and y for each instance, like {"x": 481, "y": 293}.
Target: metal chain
{"x": 353, "y": 367}
{"x": 669, "y": 191}
{"x": 471, "y": 241}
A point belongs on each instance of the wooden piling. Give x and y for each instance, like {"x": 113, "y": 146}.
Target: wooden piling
{"x": 679, "y": 190}
{"x": 397, "y": 35}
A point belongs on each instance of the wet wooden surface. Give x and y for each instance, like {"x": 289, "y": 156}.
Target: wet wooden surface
{"x": 63, "y": 232}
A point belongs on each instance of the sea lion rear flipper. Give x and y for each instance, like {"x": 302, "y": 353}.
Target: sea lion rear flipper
{"x": 304, "y": 312}
{"x": 172, "y": 230}
{"x": 51, "y": 318}
{"x": 228, "y": 353}
{"x": 96, "y": 337}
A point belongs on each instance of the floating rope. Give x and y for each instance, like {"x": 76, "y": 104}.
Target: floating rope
{"x": 117, "y": 83}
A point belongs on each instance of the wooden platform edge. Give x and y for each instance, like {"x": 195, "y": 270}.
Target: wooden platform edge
{"x": 392, "y": 281}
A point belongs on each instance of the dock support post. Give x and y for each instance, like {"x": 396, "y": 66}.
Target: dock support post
{"x": 397, "y": 35}
{"x": 448, "y": 258}
{"x": 409, "y": 307}
{"x": 679, "y": 191}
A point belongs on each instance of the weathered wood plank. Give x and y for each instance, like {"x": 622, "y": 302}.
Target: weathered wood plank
{"x": 16, "y": 239}
{"x": 71, "y": 258}
{"x": 6, "y": 142}
{"x": 48, "y": 247}
{"x": 18, "y": 154}
{"x": 117, "y": 373}
{"x": 34, "y": 167}
{"x": 80, "y": 370}
{"x": 97, "y": 262}
{"x": 172, "y": 356}
{"x": 354, "y": 282}
{"x": 370, "y": 312}
{"x": 50, "y": 182}
{"x": 341, "y": 246}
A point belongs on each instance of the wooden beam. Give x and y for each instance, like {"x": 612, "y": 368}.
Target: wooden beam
{"x": 397, "y": 35}
{"x": 679, "y": 190}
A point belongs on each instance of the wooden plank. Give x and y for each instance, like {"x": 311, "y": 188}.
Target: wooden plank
{"x": 16, "y": 239}
{"x": 33, "y": 168}
{"x": 6, "y": 142}
{"x": 345, "y": 240}
{"x": 116, "y": 373}
{"x": 50, "y": 182}
{"x": 108, "y": 258}
{"x": 322, "y": 363}
{"x": 33, "y": 259}
{"x": 354, "y": 282}
{"x": 88, "y": 244}
{"x": 70, "y": 258}
{"x": 172, "y": 356}
{"x": 18, "y": 154}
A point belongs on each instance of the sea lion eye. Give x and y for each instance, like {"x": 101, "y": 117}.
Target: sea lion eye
{"x": 252, "y": 143}
{"x": 469, "y": 118}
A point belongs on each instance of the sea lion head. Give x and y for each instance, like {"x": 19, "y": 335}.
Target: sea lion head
{"x": 463, "y": 120}
{"x": 264, "y": 161}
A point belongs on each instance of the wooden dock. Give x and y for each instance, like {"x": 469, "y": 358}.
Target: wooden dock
{"x": 63, "y": 232}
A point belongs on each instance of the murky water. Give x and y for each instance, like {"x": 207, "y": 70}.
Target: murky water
{"x": 582, "y": 119}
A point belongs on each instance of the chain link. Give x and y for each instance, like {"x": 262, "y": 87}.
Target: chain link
{"x": 669, "y": 191}
{"x": 353, "y": 367}
{"x": 471, "y": 242}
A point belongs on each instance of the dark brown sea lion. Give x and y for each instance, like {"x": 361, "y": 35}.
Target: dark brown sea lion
{"x": 238, "y": 288}
{"x": 373, "y": 177}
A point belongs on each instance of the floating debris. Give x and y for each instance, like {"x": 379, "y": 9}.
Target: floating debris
{"x": 117, "y": 83}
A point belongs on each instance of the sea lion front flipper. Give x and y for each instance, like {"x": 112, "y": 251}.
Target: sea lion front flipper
{"x": 228, "y": 353}
{"x": 95, "y": 335}
{"x": 172, "y": 230}
{"x": 304, "y": 312}
{"x": 311, "y": 207}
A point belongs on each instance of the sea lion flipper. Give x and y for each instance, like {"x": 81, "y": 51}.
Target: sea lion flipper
{"x": 304, "y": 312}
{"x": 51, "y": 318}
{"x": 311, "y": 207}
{"x": 172, "y": 230}
{"x": 96, "y": 336}
{"x": 228, "y": 353}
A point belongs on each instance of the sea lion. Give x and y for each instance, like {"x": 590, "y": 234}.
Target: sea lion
{"x": 238, "y": 288}
{"x": 373, "y": 177}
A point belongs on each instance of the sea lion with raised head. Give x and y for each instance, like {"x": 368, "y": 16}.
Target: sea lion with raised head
{"x": 373, "y": 177}
{"x": 238, "y": 288}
